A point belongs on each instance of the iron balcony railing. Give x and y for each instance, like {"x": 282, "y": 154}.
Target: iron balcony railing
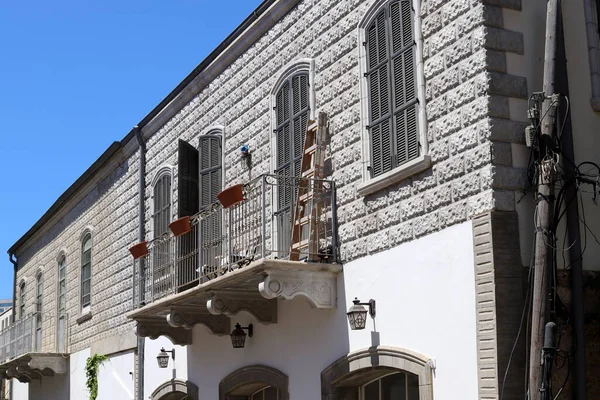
{"x": 280, "y": 217}
{"x": 25, "y": 336}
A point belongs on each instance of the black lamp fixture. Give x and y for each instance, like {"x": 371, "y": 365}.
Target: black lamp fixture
{"x": 238, "y": 336}
{"x": 357, "y": 314}
{"x": 163, "y": 357}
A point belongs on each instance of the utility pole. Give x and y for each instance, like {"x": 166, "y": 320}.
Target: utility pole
{"x": 544, "y": 208}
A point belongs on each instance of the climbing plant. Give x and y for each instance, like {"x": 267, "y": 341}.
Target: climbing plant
{"x": 92, "y": 365}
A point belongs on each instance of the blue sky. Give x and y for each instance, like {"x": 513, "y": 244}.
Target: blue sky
{"x": 76, "y": 76}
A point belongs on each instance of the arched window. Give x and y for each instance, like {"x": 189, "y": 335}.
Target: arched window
{"x": 86, "y": 273}
{"x": 162, "y": 202}
{"x": 374, "y": 374}
{"x": 39, "y": 311}
{"x": 397, "y": 385}
{"x": 256, "y": 382}
{"x": 62, "y": 303}
{"x": 393, "y": 89}
{"x": 391, "y": 67}
{"x": 22, "y": 300}
{"x": 292, "y": 111}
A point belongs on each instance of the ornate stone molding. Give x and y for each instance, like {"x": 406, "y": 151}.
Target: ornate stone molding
{"x": 231, "y": 303}
{"x": 187, "y": 318}
{"x": 34, "y": 366}
{"x": 246, "y": 380}
{"x": 319, "y": 287}
{"x": 176, "y": 386}
{"x": 340, "y": 379}
{"x": 155, "y": 327}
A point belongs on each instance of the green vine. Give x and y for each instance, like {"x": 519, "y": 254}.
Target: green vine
{"x": 92, "y": 365}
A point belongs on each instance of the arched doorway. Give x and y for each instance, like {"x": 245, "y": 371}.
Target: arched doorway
{"x": 256, "y": 382}
{"x": 175, "y": 389}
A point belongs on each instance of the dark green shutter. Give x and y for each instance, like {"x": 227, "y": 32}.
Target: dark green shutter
{"x": 393, "y": 108}
{"x": 187, "y": 179}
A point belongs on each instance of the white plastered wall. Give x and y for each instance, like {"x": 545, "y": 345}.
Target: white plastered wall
{"x": 425, "y": 292}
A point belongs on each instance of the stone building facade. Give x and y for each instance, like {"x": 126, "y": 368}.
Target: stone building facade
{"x": 439, "y": 241}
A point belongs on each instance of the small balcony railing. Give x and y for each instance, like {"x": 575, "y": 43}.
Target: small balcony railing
{"x": 280, "y": 217}
{"x": 25, "y": 336}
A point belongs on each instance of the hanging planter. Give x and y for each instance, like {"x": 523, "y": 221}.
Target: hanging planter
{"x": 139, "y": 250}
{"x": 231, "y": 196}
{"x": 180, "y": 226}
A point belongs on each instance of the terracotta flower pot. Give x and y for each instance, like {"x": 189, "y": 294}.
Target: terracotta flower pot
{"x": 139, "y": 250}
{"x": 180, "y": 226}
{"x": 231, "y": 196}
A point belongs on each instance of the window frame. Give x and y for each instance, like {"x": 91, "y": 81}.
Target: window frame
{"x": 361, "y": 389}
{"x": 39, "y": 293}
{"x": 166, "y": 169}
{"x": 370, "y": 184}
{"x": 215, "y": 130}
{"x": 22, "y": 299}
{"x": 85, "y": 308}
{"x": 61, "y": 314}
{"x": 294, "y": 68}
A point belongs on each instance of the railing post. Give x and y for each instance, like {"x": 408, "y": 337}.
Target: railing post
{"x": 263, "y": 233}
{"x": 334, "y": 232}
{"x": 228, "y": 256}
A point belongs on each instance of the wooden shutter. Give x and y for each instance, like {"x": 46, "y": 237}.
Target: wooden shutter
{"x": 210, "y": 169}
{"x": 403, "y": 64}
{"x": 391, "y": 66}
{"x": 187, "y": 179}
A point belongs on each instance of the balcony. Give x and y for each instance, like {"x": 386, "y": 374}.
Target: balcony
{"x": 280, "y": 241}
{"x": 22, "y": 355}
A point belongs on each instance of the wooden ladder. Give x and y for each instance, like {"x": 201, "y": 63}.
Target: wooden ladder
{"x": 307, "y": 212}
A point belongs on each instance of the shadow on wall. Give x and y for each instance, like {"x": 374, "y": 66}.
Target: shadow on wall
{"x": 103, "y": 187}
{"x": 303, "y": 342}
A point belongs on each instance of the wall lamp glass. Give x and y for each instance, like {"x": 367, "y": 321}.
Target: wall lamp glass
{"x": 163, "y": 357}
{"x": 357, "y": 314}
{"x": 238, "y": 336}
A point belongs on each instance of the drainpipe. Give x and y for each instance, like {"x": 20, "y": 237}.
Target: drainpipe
{"x": 15, "y": 263}
{"x": 141, "y": 342}
{"x": 13, "y": 260}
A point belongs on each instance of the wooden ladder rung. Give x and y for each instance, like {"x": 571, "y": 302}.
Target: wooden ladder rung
{"x": 307, "y": 196}
{"x": 300, "y": 245}
{"x": 309, "y": 173}
{"x": 312, "y": 126}
{"x": 312, "y": 149}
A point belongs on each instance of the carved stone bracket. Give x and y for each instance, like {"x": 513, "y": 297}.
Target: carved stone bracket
{"x": 155, "y": 327}
{"x": 34, "y": 366}
{"x": 231, "y": 303}
{"x": 319, "y": 287}
{"x": 186, "y": 318}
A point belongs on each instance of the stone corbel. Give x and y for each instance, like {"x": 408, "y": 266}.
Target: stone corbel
{"x": 319, "y": 287}
{"x": 48, "y": 365}
{"x": 187, "y": 317}
{"x": 155, "y": 327}
{"x": 231, "y": 303}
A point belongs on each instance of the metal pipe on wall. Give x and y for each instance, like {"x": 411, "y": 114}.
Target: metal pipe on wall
{"x": 141, "y": 342}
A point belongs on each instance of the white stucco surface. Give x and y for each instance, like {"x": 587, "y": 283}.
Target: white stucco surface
{"x": 425, "y": 292}
{"x": 155, "y": 376}
{"x": 78, "y": 389}
{"x": 20, "y": 391}
{"x": 115, "y": 377}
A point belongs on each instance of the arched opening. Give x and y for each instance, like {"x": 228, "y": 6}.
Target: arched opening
{"x": 256, "y": 382}
{"x": 378, "y": 373}
{"x": 176, "y": 389}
